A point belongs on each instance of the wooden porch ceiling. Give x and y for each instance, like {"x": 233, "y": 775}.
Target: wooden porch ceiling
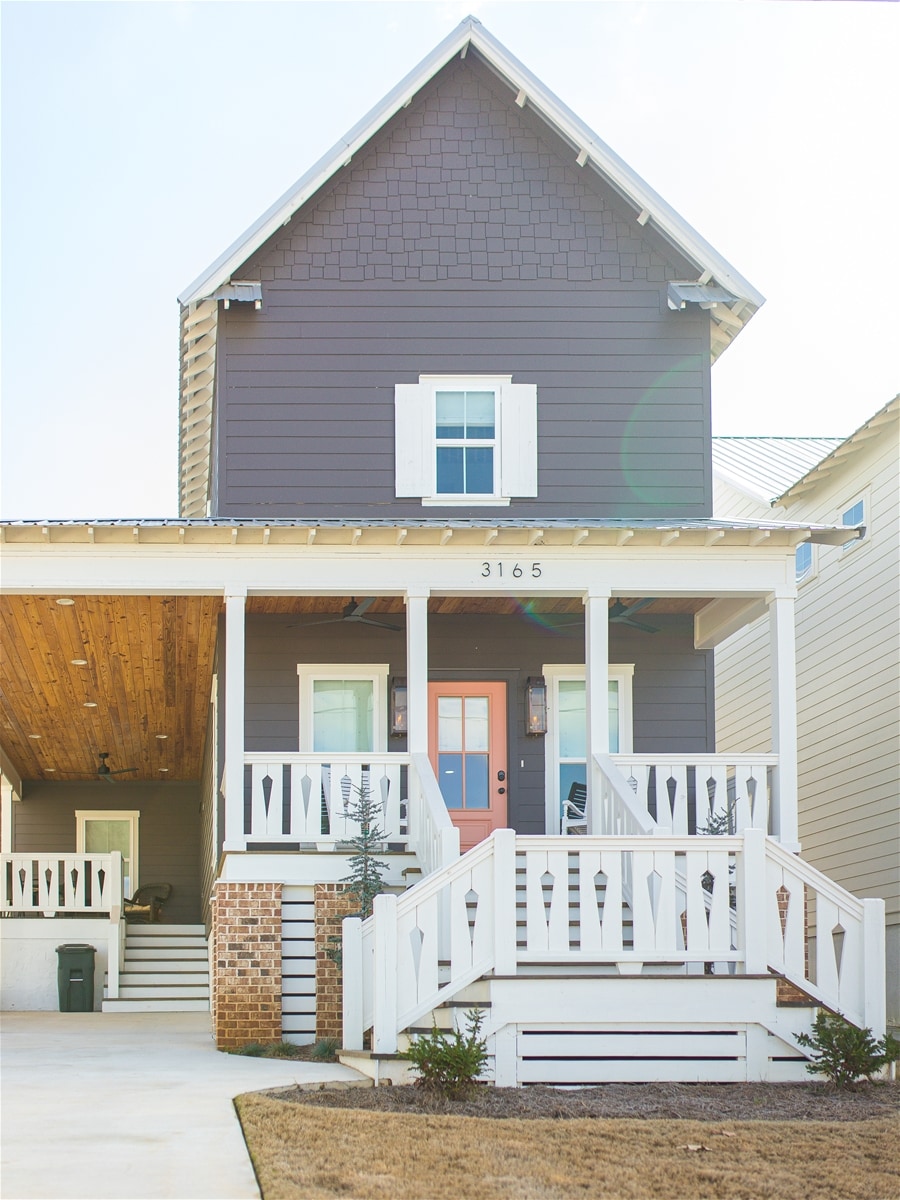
{"x": 116, "y": 673}
{"x": 144, "y": 664}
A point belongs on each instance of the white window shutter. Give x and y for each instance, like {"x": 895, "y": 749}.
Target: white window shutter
{"x": 518, "y": 439}
{"x": 413, "y": 440}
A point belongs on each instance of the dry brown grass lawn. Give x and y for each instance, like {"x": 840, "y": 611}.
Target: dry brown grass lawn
{"x": 306, "y": 1152}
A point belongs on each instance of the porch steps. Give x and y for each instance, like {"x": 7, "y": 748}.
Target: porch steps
{"x": 166, "y": 970}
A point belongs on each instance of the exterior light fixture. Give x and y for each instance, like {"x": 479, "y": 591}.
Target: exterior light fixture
{"x": 35, "y": 737}
{"x": 65, "y": 601}
{"x": 164, "y": 770}
{"x": 399, "y": 712}
{"x": 78, "y": 662}
{"x": 161, "y": 737}
{"x": 535, "y": 705}
{"x": 89, "y": 704}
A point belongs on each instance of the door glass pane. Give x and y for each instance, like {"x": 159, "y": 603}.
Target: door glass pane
{"x": 450, "y": 779}
{"x": 477, "y": 781}
{"x": 343, "y": 715}
{"x": 450, "y": 723}
{"x": 569, "y": 774}
{"x": 476, "y": 723}
{"x": 614, "y": 716}
{"x": 572, "y": 719}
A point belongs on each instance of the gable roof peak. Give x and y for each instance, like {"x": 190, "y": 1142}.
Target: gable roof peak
{"x": 588, "y": 151}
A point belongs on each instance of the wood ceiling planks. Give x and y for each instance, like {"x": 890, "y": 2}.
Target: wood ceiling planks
{"x": 148, "y": 670}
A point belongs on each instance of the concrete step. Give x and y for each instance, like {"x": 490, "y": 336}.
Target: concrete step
{"x": 159, "y": 1005}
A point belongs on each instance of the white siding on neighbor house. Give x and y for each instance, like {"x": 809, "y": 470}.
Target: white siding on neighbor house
{"x": 848, "y": 684}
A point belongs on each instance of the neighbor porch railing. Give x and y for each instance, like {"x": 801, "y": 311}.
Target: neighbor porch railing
{"x": 299, "y": 800}
{"x": 732, "y": 905}
{"x": 68, "y": 885}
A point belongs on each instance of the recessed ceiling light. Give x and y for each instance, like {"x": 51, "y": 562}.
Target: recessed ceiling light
{"x": 35, "y": 737}
{"x": 64, "y": 600}
{"x": 161, "y": 737}
{"x": 89, "y": 704}
{"x": 49, "y": 770}
{"x": 78, "y": 662}
{"x": 164, "y": 770}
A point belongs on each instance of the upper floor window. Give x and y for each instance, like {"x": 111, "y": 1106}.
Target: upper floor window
{"x": 466, "y": 439}
{"x": 854, "y": 514}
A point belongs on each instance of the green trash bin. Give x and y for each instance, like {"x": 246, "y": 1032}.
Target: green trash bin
{"x": 75, "y": 977}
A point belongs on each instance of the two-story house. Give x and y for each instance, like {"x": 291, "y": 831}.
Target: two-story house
{"x": 446, "y": 535}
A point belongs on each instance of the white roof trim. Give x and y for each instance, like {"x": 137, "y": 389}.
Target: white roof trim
{"x": 856, "y": 439}
{"x": 608, "y": 164}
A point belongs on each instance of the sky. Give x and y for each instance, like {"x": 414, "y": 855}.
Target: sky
{"x": 141, "y": 139}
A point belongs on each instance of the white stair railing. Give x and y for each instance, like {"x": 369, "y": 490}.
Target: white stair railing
{"x": 735, "y": 902}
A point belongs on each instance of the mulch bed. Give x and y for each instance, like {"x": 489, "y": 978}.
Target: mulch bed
{"x": 813, "y": 1101}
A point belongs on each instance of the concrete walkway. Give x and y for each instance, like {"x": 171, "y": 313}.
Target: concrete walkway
{"x": 110, "y": 1105}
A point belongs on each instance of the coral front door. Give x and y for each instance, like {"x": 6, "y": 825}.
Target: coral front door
{"x": 467, "y": 747}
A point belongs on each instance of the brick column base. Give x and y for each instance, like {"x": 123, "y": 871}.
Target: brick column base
{"x": 332, "y": 904}
{"x": 246, "y": 958}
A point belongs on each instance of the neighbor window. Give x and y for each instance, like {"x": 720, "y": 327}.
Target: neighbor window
{"x": 854, "y": 514}
{"x": 803, "y": 562}
{"x": 463, "y": 440}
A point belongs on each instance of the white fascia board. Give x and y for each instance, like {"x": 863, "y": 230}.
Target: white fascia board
{"x": 389, "y": 571}
{"x": 741, "y": 485}
{"x": 540, "y": 98}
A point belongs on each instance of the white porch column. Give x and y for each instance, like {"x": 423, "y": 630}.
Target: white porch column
{"x": 235, "y": 604}
{"x": 784, "y": 717}
{"x": 417, "y": 669}
{"x": 6, "y": 815}
{"x": 596, "y": 688}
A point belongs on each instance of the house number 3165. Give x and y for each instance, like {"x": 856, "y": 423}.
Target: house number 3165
{"x": 516, "y": 571}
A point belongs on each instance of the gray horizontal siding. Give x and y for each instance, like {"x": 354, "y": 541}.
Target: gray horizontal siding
{"x": 673, "y": 698}
{"x": 488, "y": 253}
{"x": 168, "y": 831}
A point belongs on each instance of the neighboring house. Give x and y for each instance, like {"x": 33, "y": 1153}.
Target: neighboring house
{"x": 848, "y": 649}
{"x": 446, "y": 533}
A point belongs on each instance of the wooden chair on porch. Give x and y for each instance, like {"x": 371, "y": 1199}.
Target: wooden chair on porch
{"x": 146, "y": 903}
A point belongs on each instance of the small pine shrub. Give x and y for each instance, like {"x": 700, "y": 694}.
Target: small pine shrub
{"x": 845, "y": 1053}
{"x": 450, "y": 1063}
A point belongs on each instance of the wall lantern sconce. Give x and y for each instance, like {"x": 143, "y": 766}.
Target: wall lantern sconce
{"x": 399, "y": 719}
{"x": 535, "y": 705}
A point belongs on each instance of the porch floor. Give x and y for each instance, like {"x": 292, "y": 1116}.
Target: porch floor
{"x": 137, "y": 1107}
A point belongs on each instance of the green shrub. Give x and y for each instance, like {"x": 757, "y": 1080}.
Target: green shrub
{"x": 450, "y": 1063}
{"x": 843, "y": 1052}
{"x": 325, "y": 1049}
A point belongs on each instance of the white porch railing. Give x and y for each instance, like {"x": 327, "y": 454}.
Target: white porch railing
{"x": 614, "y": 807}
{"x": 684, "y": 793}
{"x": 619, "y": 903}
{"x": 68, "y": 885}
{"x": 309, "y": 798}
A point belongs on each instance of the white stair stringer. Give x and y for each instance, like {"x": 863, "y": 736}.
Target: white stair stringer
{"x": 166, "y": 970}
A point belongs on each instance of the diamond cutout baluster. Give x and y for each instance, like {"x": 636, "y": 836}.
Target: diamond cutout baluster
{"x": 416, "y": 940}
{"x": 654, "y": 890}
{"x": 471, "y": 913}
{"x": 600, "y": 882}
{"x": 346, "y": 785}
{"x": 267, "y": 782}
{"x": 837, "y": 941}
{"x": 305, "y": 792}
{"x": 548, "y": 880}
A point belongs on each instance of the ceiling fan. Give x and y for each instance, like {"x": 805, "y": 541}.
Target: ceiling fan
{"x": 620, "y": 613}
{"x": 623, "y": 614}
{"x": 355, "y": 613}
{"x": 103, "y": 771}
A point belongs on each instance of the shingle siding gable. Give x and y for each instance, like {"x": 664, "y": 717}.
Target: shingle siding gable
{"x": 464, "y": 185}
